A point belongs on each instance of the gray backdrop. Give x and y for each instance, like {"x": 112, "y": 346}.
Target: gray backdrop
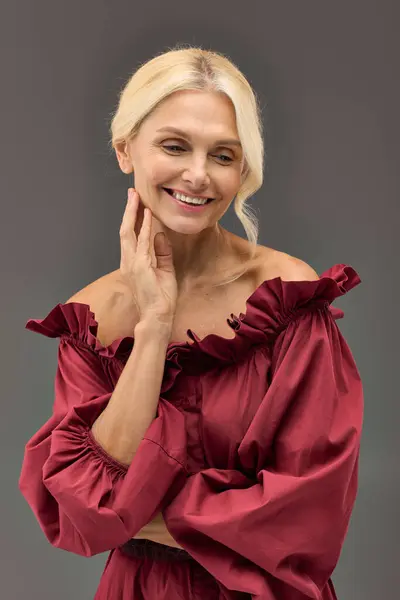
{"x": 327, "y": 74}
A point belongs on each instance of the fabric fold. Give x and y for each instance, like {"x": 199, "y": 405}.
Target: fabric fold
{"x": 268, "y": 310}
{"x": 86, "y": 501}
{"x": 274, "y": 527}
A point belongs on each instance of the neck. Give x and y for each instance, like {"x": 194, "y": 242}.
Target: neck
{"x": 198, "y": 257}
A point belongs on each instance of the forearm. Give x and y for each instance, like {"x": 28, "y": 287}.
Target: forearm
{"x": 156, "y": 531}
{"x": 133, "y": 405}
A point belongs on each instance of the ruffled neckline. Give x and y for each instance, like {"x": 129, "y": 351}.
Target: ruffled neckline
{"x": 268, "y": 310}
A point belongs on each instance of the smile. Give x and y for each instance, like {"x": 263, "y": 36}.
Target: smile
{"x": 186, "y": 198}
{"x": 186, "y": 206}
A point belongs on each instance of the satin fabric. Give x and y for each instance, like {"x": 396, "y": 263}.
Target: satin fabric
{"x": 252, "y": 457}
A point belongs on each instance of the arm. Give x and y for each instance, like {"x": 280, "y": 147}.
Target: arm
{"x": 84, "y": 499}
{"x": 156, "y": 531}
{"x": 120, "y": 428}
{"x": 279, "y": 533}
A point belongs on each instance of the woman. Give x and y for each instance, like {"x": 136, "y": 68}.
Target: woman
{"x": 226, "y": 466}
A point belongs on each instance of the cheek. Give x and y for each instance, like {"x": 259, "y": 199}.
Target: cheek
{"x": 158, "y": 173}
{"x": 231, "y": 183}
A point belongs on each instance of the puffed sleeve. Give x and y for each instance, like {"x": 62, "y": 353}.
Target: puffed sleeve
{"x": 85, "y": 501}
{"x": 278, "y": 534}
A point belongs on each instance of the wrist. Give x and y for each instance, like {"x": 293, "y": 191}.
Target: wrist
{"x": 155, "y": 329}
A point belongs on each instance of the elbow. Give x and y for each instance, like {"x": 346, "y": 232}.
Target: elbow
{"x": 89, "y": 531}
{"x": 78, "y": 545}
{"x": 84, "y": 534}
{"x": 70, "y": 525}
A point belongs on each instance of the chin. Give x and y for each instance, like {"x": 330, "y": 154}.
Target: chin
{"x": 184, "y": 228}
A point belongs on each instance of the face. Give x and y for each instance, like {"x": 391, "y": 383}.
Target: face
{"x": 204, "y": 158}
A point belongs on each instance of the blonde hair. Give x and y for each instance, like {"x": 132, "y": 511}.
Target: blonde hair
{"x": 194, "y": 68}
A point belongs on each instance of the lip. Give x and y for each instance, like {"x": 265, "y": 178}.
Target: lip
{"x": 187, "y": 207}
{"x": 189, "y": 194}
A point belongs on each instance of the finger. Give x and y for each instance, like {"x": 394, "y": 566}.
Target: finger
{"x": 130, "y": 215}
{"x": 131, "y": 207}
{"x": 143, "y": 241}
{"x": 127, "y": 230}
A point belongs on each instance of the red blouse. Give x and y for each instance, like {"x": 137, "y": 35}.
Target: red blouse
{"x": 252, "y": 457}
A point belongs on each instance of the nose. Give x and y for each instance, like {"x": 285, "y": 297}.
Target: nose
{"x": 196, "y": 175}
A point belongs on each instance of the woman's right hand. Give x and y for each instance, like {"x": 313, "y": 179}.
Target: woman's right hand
{"x": 154, "y": 288}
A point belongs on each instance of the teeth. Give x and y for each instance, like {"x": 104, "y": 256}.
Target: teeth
{"x": 184, "y": 198}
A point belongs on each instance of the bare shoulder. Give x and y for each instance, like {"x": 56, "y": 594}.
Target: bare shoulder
{"x": 287, "y": 267}
{"x": 95, "y": 292}
{"x": 296, "y": 269}
{"x": 113, "y": 309}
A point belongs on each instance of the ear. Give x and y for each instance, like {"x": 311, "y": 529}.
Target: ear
{"x": 245, "y": 171}
{"x": 243, "y": 177}
{"x": 124, "y": 160}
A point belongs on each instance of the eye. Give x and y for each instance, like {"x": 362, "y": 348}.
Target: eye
{"x": 225, "y": 156}
{"x": 170, "y": 148}
{"x": 175, "y": 148}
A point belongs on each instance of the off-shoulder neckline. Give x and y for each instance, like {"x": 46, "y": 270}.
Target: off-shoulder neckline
{"x": 269, "y": 308}
{"x": 191, "y": 332}
{"x": 234, "y": 320}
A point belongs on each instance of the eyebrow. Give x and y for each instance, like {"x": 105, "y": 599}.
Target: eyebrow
{"x": 231, "y": 141}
